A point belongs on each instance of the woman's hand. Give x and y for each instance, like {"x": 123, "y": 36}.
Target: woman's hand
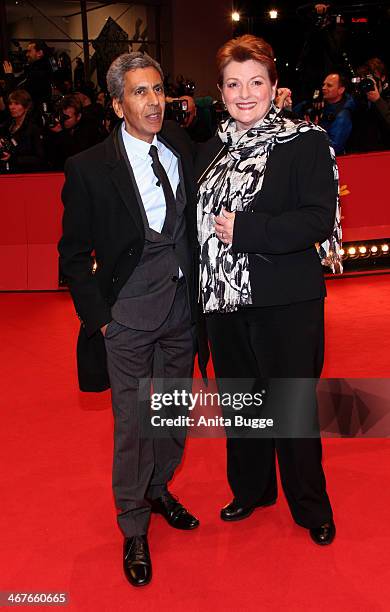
{"x": 224, "y": 226}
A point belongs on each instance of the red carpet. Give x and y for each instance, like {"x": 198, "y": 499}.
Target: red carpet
{"x": 58, "y": 530}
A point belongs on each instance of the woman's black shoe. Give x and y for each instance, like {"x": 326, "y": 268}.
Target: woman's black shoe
{"x": 236, "y": 511}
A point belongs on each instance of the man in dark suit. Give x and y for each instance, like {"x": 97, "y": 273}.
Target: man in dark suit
{"x": 128, "y": 252}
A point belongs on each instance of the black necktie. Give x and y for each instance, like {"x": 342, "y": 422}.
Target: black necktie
{"x": 170, "y": 214}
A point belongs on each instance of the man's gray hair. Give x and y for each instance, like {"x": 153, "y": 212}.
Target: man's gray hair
{"x": 124, "y": 63}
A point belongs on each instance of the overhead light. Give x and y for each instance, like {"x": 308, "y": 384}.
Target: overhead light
{"x": 385, "y": 248}
{"x": 235, "y": 16}
{"x": 374, "y": 249}
{"x": 362, "y": 250}
{"x": 352, "y": 251}
{"x": 273, "y": 14}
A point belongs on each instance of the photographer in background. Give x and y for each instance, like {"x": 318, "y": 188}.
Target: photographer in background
{"x": 336, "y": 115}
{"x": 37, "y": 76}
{"x": 70, "y": 133}
{"x": 21, "y": 140}
{"x": 380, "y": 94}
{"x": 371, "y": 119}
{"x": 333, "y": 112}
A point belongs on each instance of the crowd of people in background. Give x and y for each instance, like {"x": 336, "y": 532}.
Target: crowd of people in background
{"x": 43, "y": 120}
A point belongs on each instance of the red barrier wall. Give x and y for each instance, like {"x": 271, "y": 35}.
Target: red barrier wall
{"x": 366, "y": 209}
{"x": 31, "y": 210}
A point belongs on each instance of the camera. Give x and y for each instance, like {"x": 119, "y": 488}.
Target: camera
{"x": 52, "y": 115}
{"x": 7, "y": 145}
{"x": 177, "y": 110}
{"x": 362, "y": 85}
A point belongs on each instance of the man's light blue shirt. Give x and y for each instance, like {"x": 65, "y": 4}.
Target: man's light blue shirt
{"x": 152, "y": 195}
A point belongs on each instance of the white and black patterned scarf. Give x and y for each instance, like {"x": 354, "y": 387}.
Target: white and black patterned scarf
{"x": 232, "y": 182}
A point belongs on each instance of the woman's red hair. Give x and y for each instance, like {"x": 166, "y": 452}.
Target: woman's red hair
{"x": 245, "y": 48}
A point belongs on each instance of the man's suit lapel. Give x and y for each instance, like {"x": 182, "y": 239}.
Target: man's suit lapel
{"x": 123, "y": 178}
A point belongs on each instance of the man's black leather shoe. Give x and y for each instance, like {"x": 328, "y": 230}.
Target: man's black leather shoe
{"x": 172, "y": 510}
{"x": 236, "y": 511}
{"x": 325, "y": 534}
{"x": 136, "y": 560}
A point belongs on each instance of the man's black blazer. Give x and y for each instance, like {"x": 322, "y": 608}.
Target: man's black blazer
{"x": 102, "y": 222}
{"x": 294, "y": 210}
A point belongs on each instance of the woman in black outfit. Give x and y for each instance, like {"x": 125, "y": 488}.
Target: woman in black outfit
{"x": 267, "y": 197}
{"x": 21, "y": 140}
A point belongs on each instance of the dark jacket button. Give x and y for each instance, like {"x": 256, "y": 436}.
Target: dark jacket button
{"x": 174, "y": 278}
